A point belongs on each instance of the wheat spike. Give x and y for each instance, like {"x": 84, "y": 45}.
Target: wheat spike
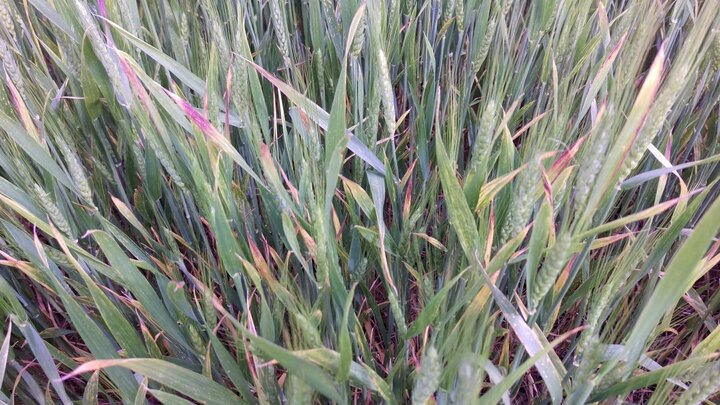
{"x": 428, "y": 377}
{"x": 554, "y": 263}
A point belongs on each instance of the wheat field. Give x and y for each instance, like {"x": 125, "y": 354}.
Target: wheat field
{"x": 359, "y": 202}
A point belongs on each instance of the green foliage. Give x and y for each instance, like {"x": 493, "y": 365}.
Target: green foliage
{"x": 380, "y": 201}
